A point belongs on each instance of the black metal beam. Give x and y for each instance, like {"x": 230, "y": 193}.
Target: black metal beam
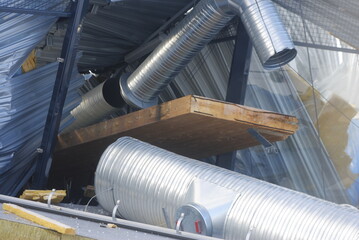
{"x": 237, "y": 83}
{"x": 65, "y": 69}
{"x": 323, "y": 47}
{"x": 35, "y": 12}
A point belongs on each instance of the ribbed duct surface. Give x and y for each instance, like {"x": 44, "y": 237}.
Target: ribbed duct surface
{"x": 260, "y": 18}
{"x": 174, "y": 53}
{"x": 146, "y": 179}
{"x": 92, "y": 109}
{"x": 267, "y": 32}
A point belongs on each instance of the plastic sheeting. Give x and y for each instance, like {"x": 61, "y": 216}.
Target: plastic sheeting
{"x": 328, "y": 89}
{"x": 303, "y": 163}
{"x": 339, "y": 17}
{"x": 22, "y": 122}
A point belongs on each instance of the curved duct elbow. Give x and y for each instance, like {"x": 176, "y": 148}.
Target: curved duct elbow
{"x": 147, "y": 179}
{"x": 201, "y": 25}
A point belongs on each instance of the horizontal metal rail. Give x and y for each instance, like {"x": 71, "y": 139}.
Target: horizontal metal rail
{"x": 103, "y": 219}
{"x": 36, "y": 12}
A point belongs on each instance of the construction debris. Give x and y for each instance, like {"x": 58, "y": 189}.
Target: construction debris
{"x": 43, "y": 195}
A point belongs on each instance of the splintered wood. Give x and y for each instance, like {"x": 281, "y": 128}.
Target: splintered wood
{"x": 192, "y": 126}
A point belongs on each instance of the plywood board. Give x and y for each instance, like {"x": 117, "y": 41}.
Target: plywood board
{"x": 192, "y": 126}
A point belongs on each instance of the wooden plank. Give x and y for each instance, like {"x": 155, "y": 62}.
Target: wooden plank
{"x": 43, "y": 195}
{"x": 192, "y": 126}
{"x": 39, "y": 219}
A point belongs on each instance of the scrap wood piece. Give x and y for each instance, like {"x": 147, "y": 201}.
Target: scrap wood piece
{"x": 39, "y": 219}
{"x": 43, "y": 195}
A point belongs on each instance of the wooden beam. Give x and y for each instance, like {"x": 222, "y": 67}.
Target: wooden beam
{"x": 39, "y": 219}
{"x": 192, "y": 126}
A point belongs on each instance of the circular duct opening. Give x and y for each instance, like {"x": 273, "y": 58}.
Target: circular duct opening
{"x": 280, "y": 58}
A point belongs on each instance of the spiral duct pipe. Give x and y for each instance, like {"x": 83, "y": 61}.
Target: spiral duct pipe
{"x": 96, "y": 104}
{"x": 270, "y": 39}
{"x": 146, "y": 179}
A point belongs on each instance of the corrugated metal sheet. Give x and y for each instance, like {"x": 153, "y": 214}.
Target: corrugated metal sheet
{"x": 19, "y": 34}
{"x": 112, "y": 31}
{"x": 22, "y": 123}
{"x": 25, "y": 98}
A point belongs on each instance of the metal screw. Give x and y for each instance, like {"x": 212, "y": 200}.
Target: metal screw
{"x": 39, "y": 150}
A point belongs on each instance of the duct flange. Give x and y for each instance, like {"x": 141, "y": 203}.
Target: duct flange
{"x": 130, "y": 98}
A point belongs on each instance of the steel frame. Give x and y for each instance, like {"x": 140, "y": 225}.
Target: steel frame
{"x": 65, "y": 69}
{"x": 237, "y": 83}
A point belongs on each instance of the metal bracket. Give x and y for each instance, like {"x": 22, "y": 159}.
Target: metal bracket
{"x": 50, "y": 197}
{"x": 269, "y": 147}
{"x": 114, "y": 211}
{"x": 165, "y": 215}
{"x": 179, "y": 222}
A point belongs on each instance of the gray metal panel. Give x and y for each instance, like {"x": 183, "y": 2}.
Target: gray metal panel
{"x": 112, "y": 31}
{"x": 54, "y": 5}
{"x": 87, "y": 228}
{"x": 23, "y": 111}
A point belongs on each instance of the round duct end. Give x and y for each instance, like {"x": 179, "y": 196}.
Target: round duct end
{"x": 130, "y": 98}
{"x": 279, "y": 59}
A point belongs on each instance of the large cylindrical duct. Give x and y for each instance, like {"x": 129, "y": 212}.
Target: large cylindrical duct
{"x": 147, "y": 179}
{"x": 270, "y": 39}
{"x": 96, "y": 104}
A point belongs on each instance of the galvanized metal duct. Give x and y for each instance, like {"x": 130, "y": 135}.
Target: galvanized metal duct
{"x": 270, "y": 39}
{"x": 96, "y": 104}
{"x": 146, "y": 179}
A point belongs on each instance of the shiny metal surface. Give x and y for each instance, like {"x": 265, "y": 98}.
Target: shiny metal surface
{"x": 146, "y": 179}
{"x": 203, "y": 23}
{"x": 177, "y": 50}
{"x": 267, "y": 32}
{"x": 93, "y": 108}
